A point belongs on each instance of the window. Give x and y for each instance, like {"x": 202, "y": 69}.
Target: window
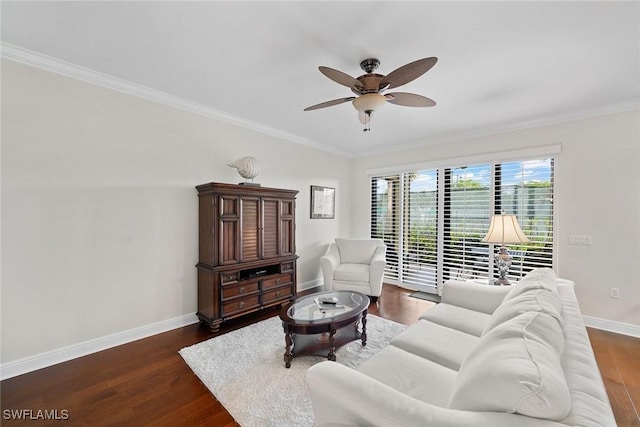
{"x": 433, "y": 220}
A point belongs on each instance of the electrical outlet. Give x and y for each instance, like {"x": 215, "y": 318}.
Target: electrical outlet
{"x": 580, "y": 240}
{"x": 614, "y": 293}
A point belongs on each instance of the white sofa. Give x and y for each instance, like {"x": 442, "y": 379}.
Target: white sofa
{"x": 486, "y": 356}
{"x": 354, "y": 265}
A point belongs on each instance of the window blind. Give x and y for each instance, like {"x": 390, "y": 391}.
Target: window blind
{"x": 420, "y": 228}
{"x": 386, "y": 220}
{"x": 467, "y": 206}
{"x": 525, "y": 189}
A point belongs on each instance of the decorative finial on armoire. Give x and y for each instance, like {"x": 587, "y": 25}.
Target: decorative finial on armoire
{"x": 248, "y": 167}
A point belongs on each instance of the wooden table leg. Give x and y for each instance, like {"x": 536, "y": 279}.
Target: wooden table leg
{"x": 363, "y": 336}
{"x": 288, "y": 356}
{"x": 332, "y": 344}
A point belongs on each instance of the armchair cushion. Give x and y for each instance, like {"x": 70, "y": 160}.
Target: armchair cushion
{"x": 357, "y": 251}
{"x": 352, "y": 273}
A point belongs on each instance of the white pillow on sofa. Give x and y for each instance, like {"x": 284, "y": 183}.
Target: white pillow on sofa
{"x": 515, "y": 368}
{"x": 357, "y": 251}
{"x": 537, "y": 291}
{"x": 538, "y": 278}
{"x": 544, "y": 300}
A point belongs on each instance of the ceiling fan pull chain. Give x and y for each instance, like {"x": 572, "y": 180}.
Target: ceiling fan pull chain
{"x": 367, "y": 121}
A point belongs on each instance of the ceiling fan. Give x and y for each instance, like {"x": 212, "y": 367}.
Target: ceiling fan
{"x": 369, "y": 87}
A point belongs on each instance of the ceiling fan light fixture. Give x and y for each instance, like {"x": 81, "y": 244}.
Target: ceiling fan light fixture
{"x": 366, "y": 105}
{"x": 369, "y": 102}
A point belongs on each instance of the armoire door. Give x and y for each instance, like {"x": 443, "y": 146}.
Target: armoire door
{"x": 250, "y": 247}
{"x": 229, "y": 230}
{"x": 287, "y": 228}
{"x": 270, "y": 228}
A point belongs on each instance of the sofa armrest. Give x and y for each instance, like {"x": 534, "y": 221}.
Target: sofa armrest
{"x": 474, "y": 296}
{"x": 376, "y": 269}
{"x": 380, "y": 254}
{"x": 344, "y": 396}
{"x": 328, "y": 263}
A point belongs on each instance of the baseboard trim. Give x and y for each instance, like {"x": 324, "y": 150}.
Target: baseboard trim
{"x": 53, "y": 357}
{"x": 612, "y": 326}
{"x": 310, "y": 284}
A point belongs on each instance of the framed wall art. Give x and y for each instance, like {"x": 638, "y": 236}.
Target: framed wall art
{"x": 323, "y": 202}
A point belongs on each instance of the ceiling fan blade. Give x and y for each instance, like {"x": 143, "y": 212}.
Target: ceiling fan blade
{"x": 340, "y": 77}
{"x": 409, "y": 99}
{"x": 408, "y": 72}
{"x": 330, "y": 103}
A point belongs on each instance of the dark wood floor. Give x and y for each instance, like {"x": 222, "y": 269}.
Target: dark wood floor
{"x": 147, "y": 383}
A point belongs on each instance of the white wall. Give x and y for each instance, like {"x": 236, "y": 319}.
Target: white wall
{"x": 597, "y": 194}
{"x": 99, "y": 209}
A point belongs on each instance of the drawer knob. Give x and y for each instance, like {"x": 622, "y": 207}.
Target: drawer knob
{"x": 278, "y": 293}
{"x": 277, "y": 281}
{"x": 241, "y": 304}
{"x": 241, "y": 290}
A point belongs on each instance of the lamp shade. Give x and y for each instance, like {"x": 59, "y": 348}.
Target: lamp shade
{"x": 505, "y": 229}
{"x": 369, "y": 102}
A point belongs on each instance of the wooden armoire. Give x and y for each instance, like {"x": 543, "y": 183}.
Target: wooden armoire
{"x": 247, "y": 250}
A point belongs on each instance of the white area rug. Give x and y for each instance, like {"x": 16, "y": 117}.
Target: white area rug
{"x": 244, "y": 369}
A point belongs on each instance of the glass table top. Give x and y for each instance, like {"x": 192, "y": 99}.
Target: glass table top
{"x": 326, "y": 305}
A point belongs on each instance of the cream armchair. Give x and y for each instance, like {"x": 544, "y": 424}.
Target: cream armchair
{"x": 354, "y": 265}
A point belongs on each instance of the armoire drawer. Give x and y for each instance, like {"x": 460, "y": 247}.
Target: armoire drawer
{"x": 286, "y": 267}
{"x": 228, "y": 278}
{"x": 276, "y": 281}
{"x": 240, "y": 289}
{"x": 240, "y": 305}
{"x": 277, "y": 294}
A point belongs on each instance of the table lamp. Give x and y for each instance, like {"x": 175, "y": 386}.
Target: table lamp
{"x": 504, "y": 229}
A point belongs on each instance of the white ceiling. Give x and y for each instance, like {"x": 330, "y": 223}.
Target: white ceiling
{"x": 502, "y": 65}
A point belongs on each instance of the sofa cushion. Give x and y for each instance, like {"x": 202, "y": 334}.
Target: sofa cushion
{"x": 460, "y": 318}
{"x": 440, "y": 344}
{"x": 357, "y": 251}
{"x": 473, "y": 295}
{"x": 351, "y": 273}
{"x": 410, "y": 374}
{"x": 516, "y": 368}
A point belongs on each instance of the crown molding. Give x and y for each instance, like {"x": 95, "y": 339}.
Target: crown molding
{"x": 58, "y": 66}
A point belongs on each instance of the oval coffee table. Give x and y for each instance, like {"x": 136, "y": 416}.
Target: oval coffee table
{"x": 313, "y": 328}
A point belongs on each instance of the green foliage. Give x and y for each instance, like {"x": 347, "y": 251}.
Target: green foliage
{"x": 421, "y": 243}
{"x": 537, "y": 184}
{"x": 468, "y": 184}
